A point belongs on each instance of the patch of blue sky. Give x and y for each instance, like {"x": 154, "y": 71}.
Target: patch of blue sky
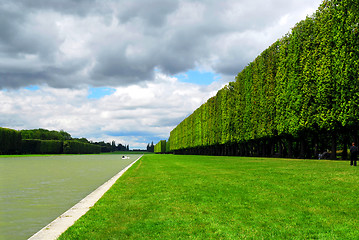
{"x": 129, "y": 133}
{"x": 155, "y": 140}
{"x": 100, "y": 92}
{"x": 198, "y": 77}
{"x": 140, "y": 135}
{"x": 32, "y": 88}
{"x": 149, "y": 140}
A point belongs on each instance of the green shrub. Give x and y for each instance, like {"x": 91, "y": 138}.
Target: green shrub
{"x": 74, "y": 147}
{"x": 10, "y": 141}
{"x": 160, "y": 147}
{"x": 168, "y": 146}
{"x": 31, "y": 146}
{"x": 51, "y": 146}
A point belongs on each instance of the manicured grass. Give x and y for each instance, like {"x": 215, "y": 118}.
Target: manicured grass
{"x": 204, "y": 197}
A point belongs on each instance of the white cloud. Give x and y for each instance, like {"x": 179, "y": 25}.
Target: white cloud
{"x": 143, "y": 112}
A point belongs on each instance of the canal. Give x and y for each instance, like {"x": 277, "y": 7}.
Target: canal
{"x": 36, "y": 190}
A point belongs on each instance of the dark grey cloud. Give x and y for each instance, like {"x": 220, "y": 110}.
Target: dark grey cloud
{"x": 27, "y": 47}
{"x": 180, "y": 52}
{"x": 153, "y": 13}
{"x": 71, "y": 43}
{"x": 9, "y": 24}
{"x": 76, "y": 7}
{"x": 16, "y": 74}
{"x": 114, "y": 69}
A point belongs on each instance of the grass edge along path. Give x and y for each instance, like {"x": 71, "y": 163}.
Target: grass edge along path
{"x": 206, "y": 197}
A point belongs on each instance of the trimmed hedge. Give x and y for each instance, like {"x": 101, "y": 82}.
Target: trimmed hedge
{"x": 168, "y": 146}
{"x": 75, "y": 147}
{"x": 36, "y": 146}
{"x": 51, "y": 146}
{"x": 31, "y": 146}
{"x": 160, "y": 147}
{"x": 10, "y": 141}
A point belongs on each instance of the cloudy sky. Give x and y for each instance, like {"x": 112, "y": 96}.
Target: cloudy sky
{"x": 128, "y": 71}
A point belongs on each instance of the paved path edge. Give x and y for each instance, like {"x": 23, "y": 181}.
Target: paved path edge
{"x": 54, "y": 229}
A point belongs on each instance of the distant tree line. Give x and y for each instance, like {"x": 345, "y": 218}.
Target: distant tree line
{"x": 42, "y": 141}
{"x": 299, "y": 98}
{"x": 112, "y": 147}
{"x": 45, "y": 134}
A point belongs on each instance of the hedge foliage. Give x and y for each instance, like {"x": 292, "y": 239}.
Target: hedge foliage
{"x": 75, "y": 147}
{"x": 304, "y": 88}
{"x": 13, "y": 142}
{"x": 168, "y": 146}
{"x": 45, "y": 134}
{"x": 160, "y": 147}
{"x": 10, "y": 141}
{"x": 36, "y": 146}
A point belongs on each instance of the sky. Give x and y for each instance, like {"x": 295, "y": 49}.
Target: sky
{"x": 128, "y": 71}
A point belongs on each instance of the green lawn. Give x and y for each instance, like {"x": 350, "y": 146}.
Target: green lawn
{"x": 205, "y": 197}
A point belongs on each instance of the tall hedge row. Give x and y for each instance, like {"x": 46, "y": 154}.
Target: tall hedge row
{"x": 160, "y": 147}
{"x": 168, "y": 146}
{"x": 75, "y": 147}
{"x": 10, "y": 141}
{"x": 36, "y": 146}
{"x": 297, "y": 98}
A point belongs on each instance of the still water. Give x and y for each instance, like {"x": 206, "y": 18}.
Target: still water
{"x": 36, "y": 190}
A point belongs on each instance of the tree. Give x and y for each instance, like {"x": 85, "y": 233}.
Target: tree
{"x": 150, "y": 147}
{"x": 65, "y": 135}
